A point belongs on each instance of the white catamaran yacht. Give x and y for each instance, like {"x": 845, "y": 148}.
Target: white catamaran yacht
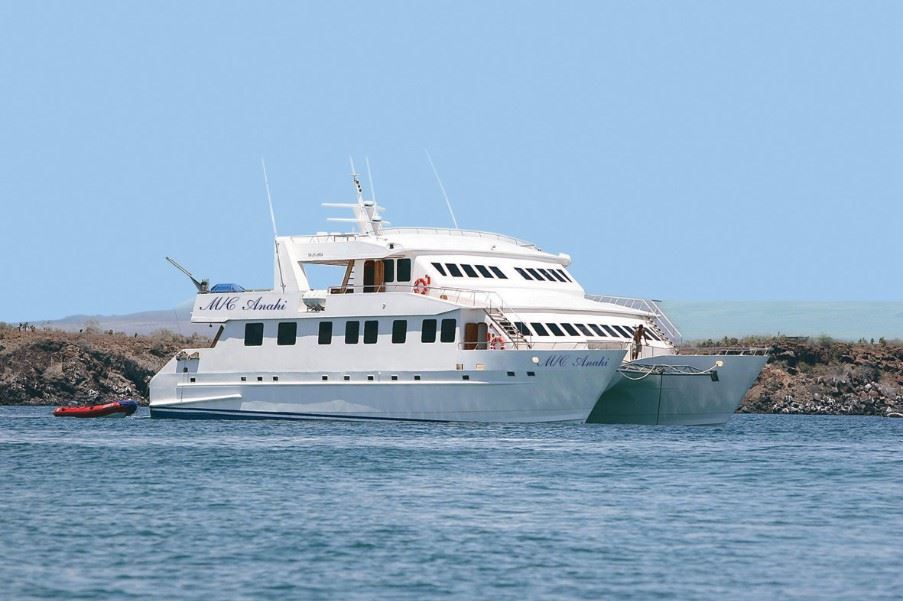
{"x": 438, "y": 325}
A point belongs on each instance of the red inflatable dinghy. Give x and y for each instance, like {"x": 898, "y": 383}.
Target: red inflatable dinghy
{"x": 114, "y": 409}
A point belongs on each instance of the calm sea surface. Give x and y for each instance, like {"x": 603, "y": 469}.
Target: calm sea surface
{"x": 766, "y": 507}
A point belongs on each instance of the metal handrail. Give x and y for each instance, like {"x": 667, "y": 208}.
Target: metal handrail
{"x": 462, "y": 233}
{"x": 461, "y": 296}
{"x": 663, "y": 322}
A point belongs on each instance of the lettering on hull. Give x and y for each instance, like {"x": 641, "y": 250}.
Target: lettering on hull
{"x": 231, "y": 303}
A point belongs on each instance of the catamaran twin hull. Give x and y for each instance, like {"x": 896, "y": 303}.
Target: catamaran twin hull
{"x": 690, "y": 390}
{"x": 504, "y": 386}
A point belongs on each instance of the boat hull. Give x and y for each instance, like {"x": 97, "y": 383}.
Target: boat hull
{"x": 114, "y": 409}
{"x": 679, "y": 399}
{"x": 563, "y": 387}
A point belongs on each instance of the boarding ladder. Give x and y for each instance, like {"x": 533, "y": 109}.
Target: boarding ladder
{"x": 504, "y": 324}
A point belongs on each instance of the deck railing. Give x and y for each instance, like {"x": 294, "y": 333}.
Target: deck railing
{"x": 661, "y": 320}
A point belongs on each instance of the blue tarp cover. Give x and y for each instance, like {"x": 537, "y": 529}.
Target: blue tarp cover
{"x": 227, "y": 288}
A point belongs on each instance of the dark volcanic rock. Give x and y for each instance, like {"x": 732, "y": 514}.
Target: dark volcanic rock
{"x": 52, "y": 367}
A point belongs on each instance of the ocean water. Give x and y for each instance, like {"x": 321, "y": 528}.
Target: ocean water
{"x": 766, "y": 507}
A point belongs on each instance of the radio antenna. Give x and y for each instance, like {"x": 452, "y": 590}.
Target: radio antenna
{"x": 442, "y": 188}
{"x": 370, "y": 178}
{"x": 266, "y": 184}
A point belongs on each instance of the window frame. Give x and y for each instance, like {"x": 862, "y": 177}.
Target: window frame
{"x": 424, "y": 330}
{"x": 292, "y": 331}
{"x": 252, "y": 327}
{"x": 399, "y": 334}
{"x": 352, "y": 332}
{"x": 371, "y": 331}
{"x": 324, "y": 332}
{"x": 452, "y": 330}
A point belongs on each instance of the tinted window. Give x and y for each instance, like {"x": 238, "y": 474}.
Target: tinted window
{"x": 453, "y": 269}
{"x": 399, "y": 331}
{"x": 630, "y": 329}
{"x": 584, "y": 329}
{"x": 547, "y": 275}
{"x": 611, "y": 332}
{"x": 287, "y": 333}
{"x": 557, "y": 275}
{"x": 564, "y": 275}
{"x": 253, "y": 334}
{"x": 569, "y": 329}
{"x": 371, "y": 331}
{"x": 498, "y": 272}
{"x": 553, "y": 327}
{"x": 483, "y": 271}
{"x": 469, "y": 270}
{"x": 439, "y": 268}
{"x": 597, "y": 329}
{"x": 388, "y": 270}
{"x": 352, "y": 331}
{"x": 534, "y": 273}
{"x": 522, "y": 328}
{"x": 448, "y": 330}
{"x": 428, "y": 331}
{"x": 539, "y": 328}
{"x": 622, "y": 331}
{"x": 523, "y": 273}
{"x": 404, "y": 270}
{"x": 325, "y": 335}
{"x": 651, "y": 333}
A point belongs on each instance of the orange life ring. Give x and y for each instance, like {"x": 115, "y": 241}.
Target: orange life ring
{"x": 496, "y": 342}
{"x": 422, "y": 285}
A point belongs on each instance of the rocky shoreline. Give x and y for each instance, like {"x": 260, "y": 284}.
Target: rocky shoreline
{"x": 803, "y": 375}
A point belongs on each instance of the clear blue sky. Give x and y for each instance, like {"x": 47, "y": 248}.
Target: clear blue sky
{"x": 678, "y": 150}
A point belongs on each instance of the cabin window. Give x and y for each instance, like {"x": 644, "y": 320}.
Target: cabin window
{"x": 523, "y": 273}
{"x": 557, "y": 275}
{"x": 630, "y": 329}
{"x": 439, "y": 268}
{"x": 564, "y": 274}
{"x": 547, "y": 275}
{"x": 253, "y": 334}
{"x": 611, "y": 332}
{"x": 371, "y": 331}
{"x": 539, "y": 328}
{"x": 553, "y": 327}
{"x": 653, "y": 334}
{"x": 597, "y": 329}
{"x": 454, "y": 271}
{"x": 484, "y": 272}
{"x": 498, "y": 272}
{"x": 287, "y": 333}
{"x": 428, "y": 331}
{"x": 622, "y": 331}
{"x": 449, "y": 328}
{"x": 534, "y": 273}
{"x": 404, "y": 270}
{"x": 388, "y": 271}
{"x": 352, "y": 332}
{"x": 570, "y": 329}
{"x": 399, "y": 331}
{"x": 584, "y": 329}
{"x": 522, "y": 328}
{"x": 469, "y": 270}
{"x": 325, "y": 334}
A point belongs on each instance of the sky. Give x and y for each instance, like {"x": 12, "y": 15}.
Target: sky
{"x": 676, "y": 150}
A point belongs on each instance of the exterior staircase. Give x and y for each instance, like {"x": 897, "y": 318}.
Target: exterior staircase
{"x": 510, "y": 330}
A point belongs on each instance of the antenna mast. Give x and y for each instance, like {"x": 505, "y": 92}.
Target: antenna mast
{"x": 266, "y": 184}
{"x": 442, "y": 188}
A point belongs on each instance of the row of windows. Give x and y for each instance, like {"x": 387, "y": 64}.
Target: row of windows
{"x": 287, "y": 332}
{"x": 472, "y": 271}
{"x": 540, "y": 274}
{"x": 576, "y": 329}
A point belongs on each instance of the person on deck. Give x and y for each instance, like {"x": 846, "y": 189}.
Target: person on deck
{"x": 639, "y": 336}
